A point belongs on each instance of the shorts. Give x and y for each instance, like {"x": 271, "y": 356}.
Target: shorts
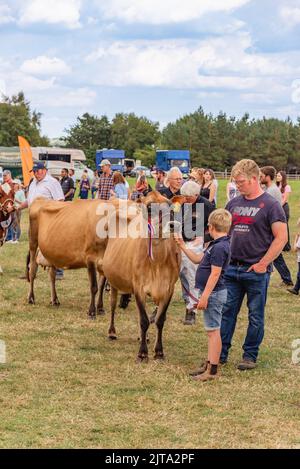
{"x": 212, "y": 315}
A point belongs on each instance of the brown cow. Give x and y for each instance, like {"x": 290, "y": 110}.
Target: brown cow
{"x": 129, "y": 268}
{"x": 6, "y": 208}
{"x": 63, "y": 235}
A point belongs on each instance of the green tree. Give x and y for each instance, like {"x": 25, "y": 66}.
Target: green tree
{"x": 17, "y": 118}
{"x": 89, "y": 134}
{"x": 130, "y": 133}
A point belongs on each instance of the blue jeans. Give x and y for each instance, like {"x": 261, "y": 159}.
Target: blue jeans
{"x": 283, "y": 269}
{"x": 239, "y": 283}
{"x": 297, "y": 284}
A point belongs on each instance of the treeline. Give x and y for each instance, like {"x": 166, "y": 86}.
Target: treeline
{"x": 219, "y": 142}
{"x": 214, "y": 141}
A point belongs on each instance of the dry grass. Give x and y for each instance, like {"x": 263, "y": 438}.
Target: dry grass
{"x": 66, "y": 385}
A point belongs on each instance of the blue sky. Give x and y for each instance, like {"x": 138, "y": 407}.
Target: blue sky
{"x": 157, "y": 58}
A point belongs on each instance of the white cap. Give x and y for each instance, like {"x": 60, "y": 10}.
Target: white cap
{"x": 104, "y": 162}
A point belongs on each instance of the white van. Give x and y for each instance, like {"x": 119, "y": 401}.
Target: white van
{"x": 1, "y": 174}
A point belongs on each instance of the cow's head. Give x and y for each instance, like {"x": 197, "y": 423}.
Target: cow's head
{"x": 6, "y": 207}
{"x": 161, "y": 213}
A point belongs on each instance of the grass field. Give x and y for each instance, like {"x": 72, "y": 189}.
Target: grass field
{"x": 65, "y": 385}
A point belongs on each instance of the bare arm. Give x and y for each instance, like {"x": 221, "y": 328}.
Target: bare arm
{"x": 227, "y": 191}
{"x": 196, "y": 258}
{"x": 210, "y": 285}
{"x": 279, "y": 230}
{"x": 212, "y": 192}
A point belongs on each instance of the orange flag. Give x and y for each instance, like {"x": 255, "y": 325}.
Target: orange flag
{"x": 27, "y": 160}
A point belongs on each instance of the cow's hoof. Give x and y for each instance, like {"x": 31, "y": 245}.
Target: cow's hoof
{"x": 112, "y": 337}
{"x": 31, "y": 301}
{"x": 55, "y": 303}
{"x": 100, "y": 312}
{"x": 159, "y": 356}
{"x": 142, "y": 358}
{"x": 92, "y": 317}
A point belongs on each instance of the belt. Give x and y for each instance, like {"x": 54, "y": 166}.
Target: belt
{"x": 240, "y": 263}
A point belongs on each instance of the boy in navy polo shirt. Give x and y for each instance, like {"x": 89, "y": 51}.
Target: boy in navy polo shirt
{"x": 210, "y": 282}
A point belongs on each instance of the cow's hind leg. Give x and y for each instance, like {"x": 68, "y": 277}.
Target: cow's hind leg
{"x": 93, "y": 289}
{"x": 101, "y": 285}
{"x": 113, "y": 303}
{"x": 144, "y": 325}
{"x": 54, "y": 298}
{"x": 159, "y": 321}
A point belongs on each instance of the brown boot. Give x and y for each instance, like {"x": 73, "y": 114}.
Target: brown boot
{"x": 200, "y": 370}
{"x": 206, "y": 376}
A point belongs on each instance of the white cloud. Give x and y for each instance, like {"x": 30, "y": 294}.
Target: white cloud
{"x": 5, "y": 14}
{"x": 43, "y": 65}
{"x": 166, "y": 11}
{"x": 66, "y": 12}
{"x": 290, "y": 15}
{"x": 213, "y": 63}
{"x": 29, "y": 84}
{"x": 81, "y": 97}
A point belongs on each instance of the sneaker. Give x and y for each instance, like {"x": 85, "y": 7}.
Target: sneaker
{"x": 292, "y": 290}
{"x": 203, "y": 367}
{"x": 59, "y": 277}
{"x": 246, "y": 364}
{"x": 10, "y": 241}
{"x": 190, "y": 318}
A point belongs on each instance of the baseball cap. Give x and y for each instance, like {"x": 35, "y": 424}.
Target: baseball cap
{"x": 17, "y": 181}
{"x": 39, "y": 165}
{"x": 104, "y": 162}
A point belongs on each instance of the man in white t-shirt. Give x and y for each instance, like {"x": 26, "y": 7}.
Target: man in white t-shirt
{"x": 43, "y": 185}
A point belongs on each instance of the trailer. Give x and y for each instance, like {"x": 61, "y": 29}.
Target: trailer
{"x": 167, "y": 159}
{"x": 115, "y": 157}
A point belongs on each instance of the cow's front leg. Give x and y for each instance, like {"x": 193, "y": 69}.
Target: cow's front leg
{"x": 159, "y": 321}
{"x": 54, "y": 297}
{"x": 93, "y": 289}
{"x": 113, "y": 303}
{"x": 144, "y": 325}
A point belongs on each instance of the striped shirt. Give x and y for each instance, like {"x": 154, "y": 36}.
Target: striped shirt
{"x": 105, "y": 186}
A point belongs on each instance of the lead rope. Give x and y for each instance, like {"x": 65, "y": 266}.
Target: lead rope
{"x": 150, "y": 244}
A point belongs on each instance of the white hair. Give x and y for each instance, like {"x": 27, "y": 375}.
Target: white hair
{"x": 190, "y": 189}
{"x": 174, "y": 170}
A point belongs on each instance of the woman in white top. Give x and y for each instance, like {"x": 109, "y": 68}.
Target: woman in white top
{"x": 231, "y": 190}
